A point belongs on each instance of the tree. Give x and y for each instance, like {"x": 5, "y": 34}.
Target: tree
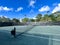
{"x": 46, "y": 17}
{"x": 0, "y": 19}
{"x": 25, "y": 20}
{"x": 53, "y": 18}
{"x": 4, "y": 19}
{"x": 16, "y": 20}
{"x": 57, "y": 15}
{"x": 32, "y": 20}
{"x": 39, "y": 16}
{"x": 58, "y": 18}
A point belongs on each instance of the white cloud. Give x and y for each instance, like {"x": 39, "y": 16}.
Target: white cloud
{"x": 57, "y": 8}
{"x": 3, "y": 16}
{"x": 32, "y": 2}
{"x": 5, "y": 8}
{"x": 34, "y": 17}
{"x": 44, "y": 8}
{"x": 19, "y": 9}
{"x": 20, "y": 20}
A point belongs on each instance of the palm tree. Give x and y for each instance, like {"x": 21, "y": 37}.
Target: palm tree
{"x": 46, "y": 17}
{"x": 53, "y": 18}
{"x": 39, "y": 16}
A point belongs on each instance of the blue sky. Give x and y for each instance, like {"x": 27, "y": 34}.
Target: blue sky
{"x": 19, "y": 8}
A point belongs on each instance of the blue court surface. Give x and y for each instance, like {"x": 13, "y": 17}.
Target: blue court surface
{"x": 30, "y": 35}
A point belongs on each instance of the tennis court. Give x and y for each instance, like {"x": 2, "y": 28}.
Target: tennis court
{"x": 30, "y": 35}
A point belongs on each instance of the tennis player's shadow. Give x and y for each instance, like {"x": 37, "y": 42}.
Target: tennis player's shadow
{"x": 20, "y": 33}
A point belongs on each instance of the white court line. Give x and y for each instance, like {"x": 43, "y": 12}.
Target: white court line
{"x": 48, "y": 34}
{"x": 41, "y": 37}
